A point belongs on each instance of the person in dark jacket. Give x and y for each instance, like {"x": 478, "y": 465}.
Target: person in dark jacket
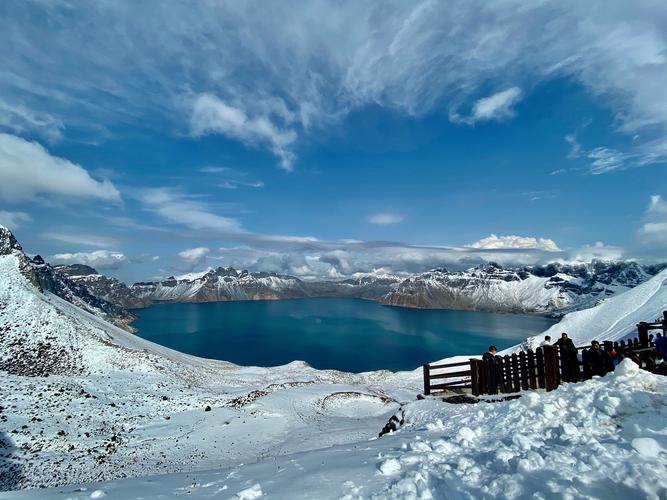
{"x": 661, "y": 346}
{"x": 599, "y": 361}
{"x": 568, "y": 358}
{"x": 490, "y": 354}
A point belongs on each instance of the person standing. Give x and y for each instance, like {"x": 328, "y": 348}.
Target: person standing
{"x": 568, "y": 358}
{"x": 546, "y": 342}
{"x": 599, "y": 362}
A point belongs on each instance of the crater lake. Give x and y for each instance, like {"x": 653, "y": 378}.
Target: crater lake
{"x": 346, "y": 334}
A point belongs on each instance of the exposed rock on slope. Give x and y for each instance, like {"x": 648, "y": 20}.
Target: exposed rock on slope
{"x": 104, "y": 287}
{"x": 53, "y": 280}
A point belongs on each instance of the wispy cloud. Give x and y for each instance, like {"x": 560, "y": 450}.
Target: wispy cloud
{"x": 386, "y": 218}
{"x": 90, "y": 240}
{"x": 282, "y": 75}
{"x": 13, "y": 220}
{"x": 179, "y": 208}
{"x": 19, "y": 119}
{"x": 99, "y": 259}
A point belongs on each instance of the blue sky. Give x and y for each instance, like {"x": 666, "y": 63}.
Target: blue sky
{"x": 333, "y": 138}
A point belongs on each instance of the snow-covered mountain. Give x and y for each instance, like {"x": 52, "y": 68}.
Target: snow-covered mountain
{"x": 553, "y": 288}
{"x": 221, "y": 284}
{"x": 613, "y": 319}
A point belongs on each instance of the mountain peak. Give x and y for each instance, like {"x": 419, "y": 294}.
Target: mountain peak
{"x": 8, "y": 243}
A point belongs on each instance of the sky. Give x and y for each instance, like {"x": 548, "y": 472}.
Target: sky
{"x": 325, "y": 139}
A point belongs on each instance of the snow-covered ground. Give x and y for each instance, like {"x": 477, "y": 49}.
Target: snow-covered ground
{"x": 107, "y": 405}
{"x": 605, "y": 438}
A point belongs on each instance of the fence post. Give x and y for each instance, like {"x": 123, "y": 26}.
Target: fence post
{"x": 551, "y": 367}
{"x": 642, "y": 329}
{"x": 427, "y": 380}
{"x": 476, "y": 376}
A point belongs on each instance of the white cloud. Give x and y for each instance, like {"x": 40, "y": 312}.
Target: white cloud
{"x": 179, "y": 208}
{"x": 194, "y": 256}
{"x": 652, "y": 234}
{"x": 210, "y": 115}
{"x": 13, "y": 220}
{"x": 516, "y": 242}
{"x": 19, "y": 119}
{"x": 598, "y": 251}
{"x": 91, "y": 240}
{"x": 99, "y": 259}
{"x": 386, "y": 218}
{"x": 27, "y": 170}
{"x": 499, "y": 106}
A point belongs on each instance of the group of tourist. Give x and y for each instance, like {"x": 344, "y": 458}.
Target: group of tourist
{"x": 596, "y": 361}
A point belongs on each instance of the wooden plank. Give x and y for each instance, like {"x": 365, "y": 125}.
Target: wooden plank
{"x": 458, "y": 385}
{"x": 427, "y": 381}
{"x": 532, "y": 374}
{"x": 551, "y": 368}
{"x": 539, "y": 361}
{"x": 516, "y": 377}
{"x": 450, "y": 365}
{"x": 491, "y": 375}
{"x": 463, "y": 373}
{"x": 523, "y": 370}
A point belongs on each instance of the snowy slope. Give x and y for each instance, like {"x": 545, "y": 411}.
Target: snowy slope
{"x": 605, "y": 438}
{"x": 83, "y": 400}
{"x": 616, "y": 317}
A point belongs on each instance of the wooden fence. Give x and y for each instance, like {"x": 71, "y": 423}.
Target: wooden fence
{"x": 544, "y": 368}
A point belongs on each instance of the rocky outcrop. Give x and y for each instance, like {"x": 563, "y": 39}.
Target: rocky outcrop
{"x": 55, "y": 281}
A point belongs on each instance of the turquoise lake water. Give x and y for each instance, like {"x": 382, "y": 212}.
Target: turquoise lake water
{"x": 345, "y": 334}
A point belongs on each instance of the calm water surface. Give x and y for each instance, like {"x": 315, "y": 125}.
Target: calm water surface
{"x": 345, "y": 334}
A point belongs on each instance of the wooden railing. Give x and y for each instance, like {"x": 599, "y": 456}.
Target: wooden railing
{"x": 543, "y": 368}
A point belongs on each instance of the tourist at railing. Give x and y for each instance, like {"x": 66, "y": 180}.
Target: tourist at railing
{"x": 661, "y": 346}
{"x": 568, "y": 358}
{"x": 598, "y": 361}
{"x": 546, "y": 342}
{"x": 490, "y": 355}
